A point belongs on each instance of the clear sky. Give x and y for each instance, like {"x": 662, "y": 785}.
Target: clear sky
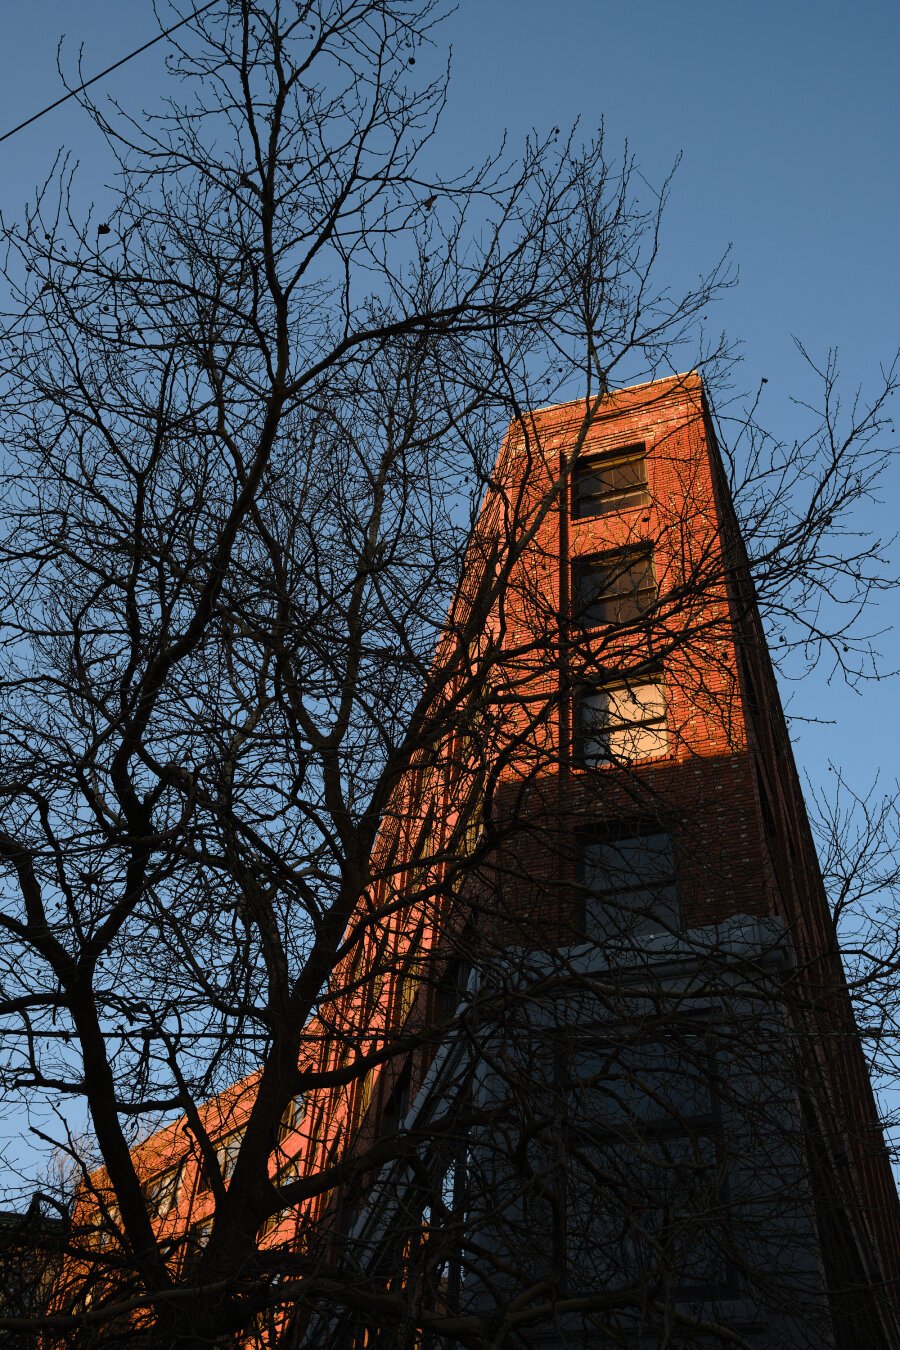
{"x": 786, "y": 112}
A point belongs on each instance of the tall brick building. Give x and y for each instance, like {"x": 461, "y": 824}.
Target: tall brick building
{"x": 591, "y": 1041}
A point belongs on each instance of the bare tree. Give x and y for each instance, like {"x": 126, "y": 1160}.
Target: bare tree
{"x": 250, "y": 767}
{"x": 857, "y": 834}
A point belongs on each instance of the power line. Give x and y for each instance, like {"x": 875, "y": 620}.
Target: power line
{"x": 201, "y": 9}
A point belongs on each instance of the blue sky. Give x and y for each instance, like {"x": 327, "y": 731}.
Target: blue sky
{"x": 787, "y": 115}
{"x": 785, "y": 111}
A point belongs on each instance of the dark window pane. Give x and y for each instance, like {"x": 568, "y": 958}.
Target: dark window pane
{"x": 615, "y": 590}
{"x": 159, "y": 1193}
{"x": 645, "y": 1085}
{"x": 631, "y": 861}
{"x": 610, "y": 483}
{"x": 630, "y": 885}
{"x": 659, "y": 1213}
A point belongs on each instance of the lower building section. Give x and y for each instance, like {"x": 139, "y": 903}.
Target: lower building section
{"x": 615, "y": 1153}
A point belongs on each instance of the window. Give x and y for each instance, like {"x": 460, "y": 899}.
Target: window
{"x": 160, "y": 1191}
{"x": 227, "y": 1151}
{"x": 629, "y": 885}
{"x": 291, "y": 1118}
{"x": 407, "y": 987}
{"x": 636, "y": 1084}
{"x": 273, "y": 1222}
{"x": 397, "y": 1104}
{"x": 615, "y": 588}
{"x": 660, "y": 1213}
{"x": 610, "y": 482}
{"x": 109, "y": 1220}
{"x": 452, "y": 988}
{"x": 364, "y": 1096}
{"x": 196, "y": 1239}
{"x": 288, "y": 1155}
{"x": 648, "y": 1197}
{"x": 472, "y": 814}
{"x": 623, "y": 722}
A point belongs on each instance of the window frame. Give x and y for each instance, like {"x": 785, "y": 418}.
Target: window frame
{"x": 286, "y": 1165}
{"x": 228, "y": 1146}
{"x": 226, "y": 1158}
{"x": 641, "y": 599}
{"x": 608, "y": 501}
{"x": 291, "y": 1117}
{"x": 588, "y": 759}
{"x": 624, "y": 833}
{"x": 696, "y": 1128}
{"x": 195, "y": 1240}
{"x": 160, "y": 1191}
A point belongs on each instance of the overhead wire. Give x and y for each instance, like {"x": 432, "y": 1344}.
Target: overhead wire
{"x": 201, "y": 9}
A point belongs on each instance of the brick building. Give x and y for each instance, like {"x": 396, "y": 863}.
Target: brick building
{"x": 591, "y": 1043}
